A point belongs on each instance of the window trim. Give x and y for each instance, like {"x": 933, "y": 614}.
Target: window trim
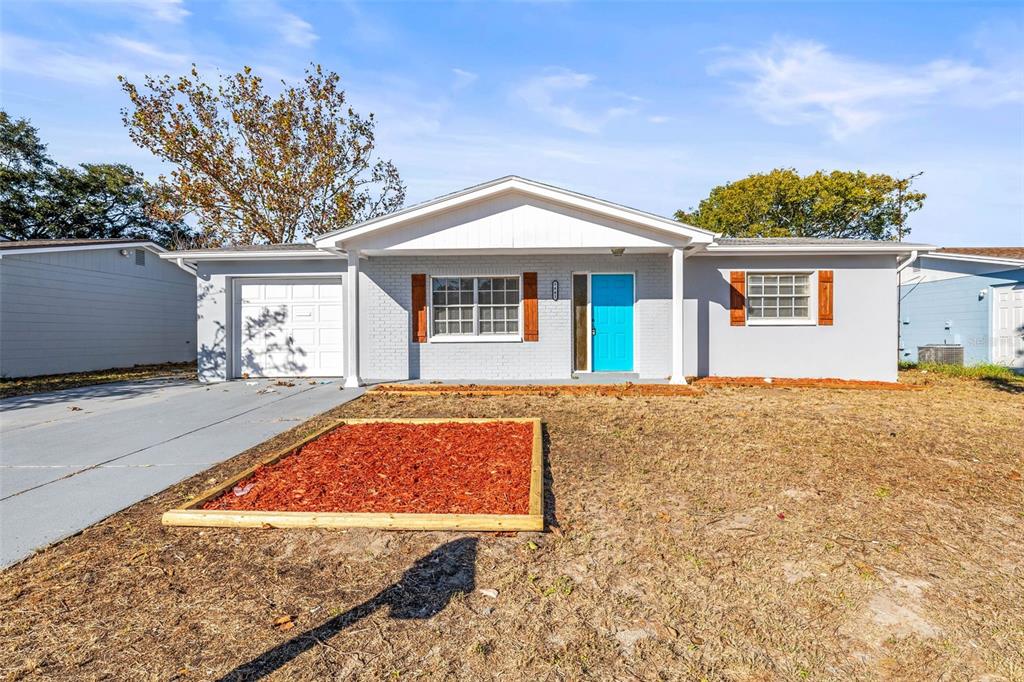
{"x": 476, "y": 336}
{"x": 812, "y": 300}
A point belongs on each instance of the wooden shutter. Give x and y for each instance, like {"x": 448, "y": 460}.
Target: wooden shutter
{"x": 530, "y": 326}
{"x": 737, "y": 298}
{"x": 825, "y": 295}
{"x": 419, "y": 308}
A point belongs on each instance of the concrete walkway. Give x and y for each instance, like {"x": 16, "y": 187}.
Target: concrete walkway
{"x": 71, "y": 458}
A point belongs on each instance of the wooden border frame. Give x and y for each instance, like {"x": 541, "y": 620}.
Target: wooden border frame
{"x": 190, "y": 514}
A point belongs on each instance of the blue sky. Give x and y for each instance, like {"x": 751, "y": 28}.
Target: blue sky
{"x": 649, "y": 105}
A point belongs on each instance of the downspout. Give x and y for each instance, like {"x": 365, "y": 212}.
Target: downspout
{"x": 180, "y": 262}
{"x": 899, "y": 302}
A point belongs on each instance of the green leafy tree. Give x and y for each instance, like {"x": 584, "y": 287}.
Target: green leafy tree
{"x": 782, "y": 203}
{"x": 255, "y": 168}
{"x": 40, "y": 199}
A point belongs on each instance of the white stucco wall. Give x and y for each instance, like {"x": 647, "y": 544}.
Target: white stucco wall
{"x": 861, "y": 344}
{"x": 88, "y": 309}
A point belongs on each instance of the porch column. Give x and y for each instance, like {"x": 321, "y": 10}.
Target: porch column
{"x": 677, "y": 317}
{"x": 352, "y": 379}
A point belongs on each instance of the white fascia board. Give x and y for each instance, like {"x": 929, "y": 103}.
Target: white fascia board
{"x": 810, "y": 250}
{"x": 530, "y": 188}
{"x": 149, "y": 246}
{"x": 251, "y": 255}
{"x": 1010, "y": 262}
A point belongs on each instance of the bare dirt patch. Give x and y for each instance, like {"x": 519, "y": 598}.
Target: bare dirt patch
{"x": 769, "y": 382}
{"x": 742, "y": 535}
{"x": 622, "y": 390}
{"x": 55, "y": 382}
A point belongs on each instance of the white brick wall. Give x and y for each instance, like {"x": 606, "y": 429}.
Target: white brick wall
{"x": 387, "y": 351}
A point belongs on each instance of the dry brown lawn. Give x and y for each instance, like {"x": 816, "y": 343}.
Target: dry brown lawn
{"x": 55, "y": 382}
{"x": 745, "y": 534}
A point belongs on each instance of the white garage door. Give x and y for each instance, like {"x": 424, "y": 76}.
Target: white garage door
{"x": 1008, "y": 339}
{"x": 289, "y": 327}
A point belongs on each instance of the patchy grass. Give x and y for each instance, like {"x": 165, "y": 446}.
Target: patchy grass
{"x": 742, "y": 535}
{"x": 55, "y": 382}
{"x": 981, "y": 371}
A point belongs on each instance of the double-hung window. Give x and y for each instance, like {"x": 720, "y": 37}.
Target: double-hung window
{"x": 780, "y": 296}
{"x": 475, "y": 306}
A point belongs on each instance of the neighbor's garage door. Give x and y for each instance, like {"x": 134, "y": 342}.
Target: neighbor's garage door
{"x": 289, "y": 327}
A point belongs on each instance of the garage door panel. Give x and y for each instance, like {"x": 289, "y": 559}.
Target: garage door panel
{"x": 330, "y": 291}
{"x": 330, "y": 313}
{"x": 290, "y": 327}
{"x": 304, "y": 292}
{"x": 330, "y": 337}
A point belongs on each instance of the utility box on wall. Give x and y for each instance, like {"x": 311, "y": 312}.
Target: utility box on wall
{"x": 941, "y": 354}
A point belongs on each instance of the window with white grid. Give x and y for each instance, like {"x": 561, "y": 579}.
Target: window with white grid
{"x": 778, "y": 296}
{"x": 474, "y": 306}
{"x": 452, "y": 305}
{"x": 498, "y": 303}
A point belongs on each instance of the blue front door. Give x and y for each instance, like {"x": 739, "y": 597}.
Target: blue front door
{"x": 611, "y": 300}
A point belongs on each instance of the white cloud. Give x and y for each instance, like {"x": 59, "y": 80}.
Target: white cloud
{"x": 657, "y": 120}
{"x": 96, "y": 62}
{"x": 58, "y": 62}
{"x": 463, "y": 78}
{"x": 167, "y": 11}
{"x": 292, "y": 29}
{"x": 567, "y": 99}
{"x": 803, "y": 82}
{"x": 147, "y": 50}
{"x": 296, "y": 31}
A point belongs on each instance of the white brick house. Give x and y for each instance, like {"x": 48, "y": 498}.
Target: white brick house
{"x": 514, "y": 280}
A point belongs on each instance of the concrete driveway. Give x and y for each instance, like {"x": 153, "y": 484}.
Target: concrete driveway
{"x": 71, "y": 458}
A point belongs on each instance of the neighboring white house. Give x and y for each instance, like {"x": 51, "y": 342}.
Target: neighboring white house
{"x": 517, "y": 280}
{"x": 970, "y": 298}
{"x": 86, "y": 304}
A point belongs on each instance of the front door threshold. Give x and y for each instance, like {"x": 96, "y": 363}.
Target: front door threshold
{"x": 605, "y": 377}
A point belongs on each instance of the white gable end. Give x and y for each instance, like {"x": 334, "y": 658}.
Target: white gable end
{"x": 510, "y": 214}
{"x": 513, "y": 221}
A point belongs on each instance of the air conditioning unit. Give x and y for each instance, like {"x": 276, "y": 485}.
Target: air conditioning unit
{"x": 941, "y": 354}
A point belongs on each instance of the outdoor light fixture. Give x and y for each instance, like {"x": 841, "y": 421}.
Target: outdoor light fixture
{"x": 618, "y": 251}
{"x": 124, "y": 252}
{"x": 982, "y": 293}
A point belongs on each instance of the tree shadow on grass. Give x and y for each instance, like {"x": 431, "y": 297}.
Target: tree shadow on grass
{"x": 422, "y": 592}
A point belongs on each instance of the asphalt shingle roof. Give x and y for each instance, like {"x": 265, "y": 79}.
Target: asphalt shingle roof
{"x": 796, "y": 241}
{"x": 1014, "y": 252}
{"x": 49, "y": 243}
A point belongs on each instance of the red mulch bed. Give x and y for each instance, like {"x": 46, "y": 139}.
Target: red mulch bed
{"x": 807, "y": 383}
{"x": 445, "y": 468}
{"x": 626, "y": 389}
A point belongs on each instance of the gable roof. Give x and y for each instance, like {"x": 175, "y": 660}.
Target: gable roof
{"x": 513, "y": 183}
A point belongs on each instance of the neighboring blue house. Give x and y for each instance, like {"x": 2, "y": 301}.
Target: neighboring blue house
{"x": 973, "y": 297}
